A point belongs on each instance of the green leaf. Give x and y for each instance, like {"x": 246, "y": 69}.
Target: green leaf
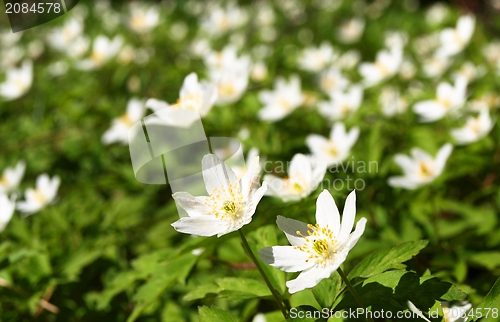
{"x": 230, "y": 287}
{"x": 392, "y": 290}
{"x": 387, "y": 258}
{"x": 490, "y": 260}
{"x": 243, "y": 285}
{"x": 213, "y": 314}
{"x": 327, "y": 290}
{"x": 490, "y": 300}
{"x": 159, "y": 282}
{"x": 264, "y": 237}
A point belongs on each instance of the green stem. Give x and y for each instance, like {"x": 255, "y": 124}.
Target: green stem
{"x": 352, "y": 290}
{"x": 261, "y": 271}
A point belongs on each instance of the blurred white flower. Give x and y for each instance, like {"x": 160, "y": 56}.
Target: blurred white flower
{"x": 421, "y": 168}
{"x": 281, "y": 101}
{"x": 143, "y": 18}
{"x": 454, "y": 40}
{"x": 456, "y": 313}
{"x": 231, "y": 202}
{"x": 120, "y": 126}
{"x": 385, "y": 66}
{"x": 448, "y": 100}
{"x": 231, "y": 85}
{"x": 391, "y": 101}
{"x": 11, "y": 177}
{"x": 348, "y": 60}
{"x": 470, "y": 71}
{"x": 436, "y": 65}
{"x": 492, "y": 52}
{"x": 342, "y": 103}
{"x": 332, "y": 80}
{"x": 9, "y": 38}
{"x": 351, "y": 30}
{"x": 265, "y": 14}
{"x": 178, "y": 30}
{"x": 336, "y": 148}
{"x": 126, "y": 54}
{"x": 200, "y": 47}
{"x": 259, "y": 317}
{"x": 436, "y": 14}
{"x": 60, "y": 38}
{"x": 316, "y": 250}
{"x": 78, "y": 47}
{"x": 35, "y": 48}
{"x": 58, "y": 68}
{"x": 268, "y": 33}
{"x": 259, "y": 71}
{"x": 395, "y": 38}
{"x": 18, "y": 81}
{"x": 475, "y": 128}
{"x": 103, "y": 50}
{"x": 486, "y": 101}
{"x": 7, "y": 207}
{"x": 314, "y": 59}
{"x": 43, "y": 195}
{"x": 407, "y": 70}
{"x": 227, "y": 59}
{"x": 304, "y": 176}
{"x": 10, "y": 56}
{"x": 193, "y": 96}
{"x": 221, "y": 20}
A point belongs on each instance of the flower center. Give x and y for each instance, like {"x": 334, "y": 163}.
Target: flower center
{"x": 296, "y": 185}
{"x": 225, "y": 203}
{"x": 226, "y": 89}
{"x": 40, "y": 196}
{"x": 189, "y": 102}
{"x": 474, "y": 125}
{"x": 4, "y": 181}
{"x": 97, "y": 57}
{"x": 125, "y": 119}
{"x": 320, "y": 244}
{"x": 382, "y": 68}
{"x": 425, "y": 170}
{"x": 331, "y": 149}
{"x": 138, "y": 22}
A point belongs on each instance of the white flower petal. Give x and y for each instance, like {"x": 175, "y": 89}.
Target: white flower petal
{"x": 348, "y": 217}
{"x": 327, "y": 213}
{"x": 286, "y": 258}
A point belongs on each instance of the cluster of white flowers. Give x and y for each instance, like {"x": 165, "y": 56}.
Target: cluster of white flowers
{"x": 35, "y": 199}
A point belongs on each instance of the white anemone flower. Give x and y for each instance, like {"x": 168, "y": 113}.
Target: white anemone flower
{"x": 120, "y": 126}
{"x": 454, "y": 40}
{"x": 43, "y": 195}
{"x": 231, "y": 85}
{"x": 421, "y": 168}
{"x": 194, "y": 96}
{"x": 316, "y": 59}
{"x": 304, "y": 176}
{"x": 61, "y": 38}
{"x": 336, "y": 148}
{"x": 435, "y": 65}
{"x": 7, "y": 207}
{"x": 12, "y": 177}
{"x": 486, "y": 101}
{"x": 386, "y": 65}
{"x": 470, "y": 71}
{"x": 316, "y": 250}
{"x": 103, "y": 50}
{"x": 221, "y": 20}
{"x": 18, "y": 81}
{"x": 143, "y": 18}
{"x": 230, "y": 204}
{"x": 475, "y": 128}
{"x": 281, "y": 101}
{"x": 341, "y": 103}
{"x": 448, "y": 100}
{"x": 259, "y": 71}
{"x": 391, "y": 101}
{"x": 351, "y": 31}
{"x": 457, "y": 312}
{"x": 332, "y": 80}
